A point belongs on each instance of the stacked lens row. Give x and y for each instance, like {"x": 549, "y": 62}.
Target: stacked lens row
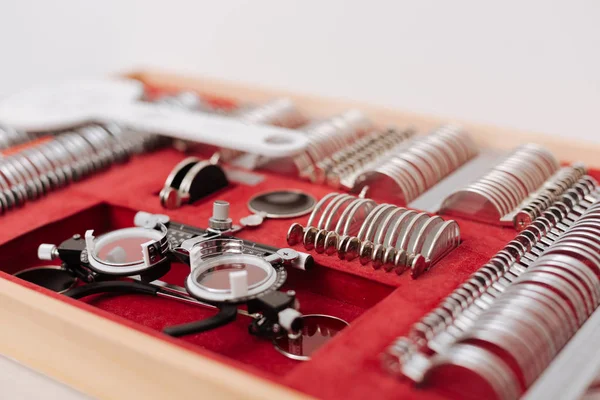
{"x": 340, "y": 170}
{"x": 384, "y": 235}
{"x": 500, "y": 191}
{"x": 70, "y": 156}
{"x": 328, "y": 137}
{"x": 516, "y": 312}
{"x": 405, "y": 174}
{"x": 571, "y": 179}
{"x": 528, "y": 245}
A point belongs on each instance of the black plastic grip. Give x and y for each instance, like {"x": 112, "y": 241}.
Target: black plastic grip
{"x": 123, "y": 287}
{"x": 226, "y": 314}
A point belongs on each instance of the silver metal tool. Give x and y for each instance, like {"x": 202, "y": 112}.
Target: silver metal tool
{"x": 384, "y": 235}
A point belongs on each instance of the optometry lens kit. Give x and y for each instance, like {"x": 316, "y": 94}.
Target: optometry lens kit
{"x": 53, "y": 163}
{"x": 501, "y": 327}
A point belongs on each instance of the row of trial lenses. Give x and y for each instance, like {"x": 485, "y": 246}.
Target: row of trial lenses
{"x": 538, "y": 311}
{"x": 279, "y": 112}
{"x": 340, "y": 169}
{"x": 387, "y": 236}
{"x": 563, "y": 287}
{"x": 11, "y": 137}
{"x": 533, "y": 240}
{"x": 552, "y": 227}
{"x": 406, "y": 174}
{"x": 502, "y": 189}
{"x": 563, "y": 180}
{"x": 446, "y": 322}
{"x": 66, "y": 157}
{"x": 486, "y": 364}
{"x": 328, "y": 137}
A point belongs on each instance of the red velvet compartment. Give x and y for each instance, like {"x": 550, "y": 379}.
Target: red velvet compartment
{"x": 379, "y": 305}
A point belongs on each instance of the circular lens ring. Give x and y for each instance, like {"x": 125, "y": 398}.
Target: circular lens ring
{"x": 310, "y": 330}
{"x": 275, "y": 278}
{"x": 153, "y": 239}
{"x": 308, "y": 204}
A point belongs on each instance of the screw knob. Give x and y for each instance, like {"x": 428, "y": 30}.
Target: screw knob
{"x": 47, "y": 252}
{"x": 220, "y": 219}
{"x": 288, "y": 255}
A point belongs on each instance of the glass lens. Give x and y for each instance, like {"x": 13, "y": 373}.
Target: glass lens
{"x": 217, "y": 278}
{"x": 122, "y": 250}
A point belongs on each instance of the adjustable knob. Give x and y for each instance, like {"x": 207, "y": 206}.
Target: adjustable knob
{"x": 220, "y": 210}
{"x": 47, "y": 252}
{"x": 290, "y": 320}
{"x": 220, "y": 220}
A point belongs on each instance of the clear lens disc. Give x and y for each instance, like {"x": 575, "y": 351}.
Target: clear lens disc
{"x": 211, "y": 279}
{"x": 217, "y": 278}
{"x": 122, "y": 251}
{"x": 123, "y": 247}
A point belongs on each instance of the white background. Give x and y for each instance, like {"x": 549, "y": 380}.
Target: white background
{"x": 533, "y": 65}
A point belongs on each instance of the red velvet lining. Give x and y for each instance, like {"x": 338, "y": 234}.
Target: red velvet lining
{"x": 379, "y": 305}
